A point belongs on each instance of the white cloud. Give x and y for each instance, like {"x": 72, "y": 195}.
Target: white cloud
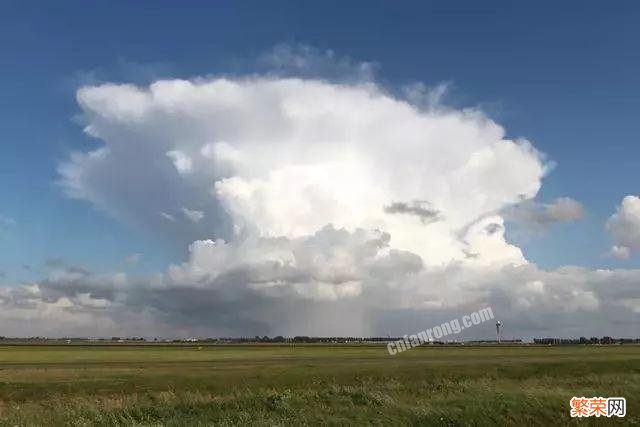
{"x": 624, "y": 227}
{"x": 181, "y": 161}
{"x": 564, "y": 209}
{"x": 620, "y": 252}
{"x": 193, "y": 215}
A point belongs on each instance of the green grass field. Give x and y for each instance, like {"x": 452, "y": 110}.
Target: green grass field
{"x": 312, "y": 384}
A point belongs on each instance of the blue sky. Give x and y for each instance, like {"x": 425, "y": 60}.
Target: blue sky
{"x": 565, "y": 75}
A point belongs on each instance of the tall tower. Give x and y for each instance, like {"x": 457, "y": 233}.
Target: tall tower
{"x": 498, "y": 331}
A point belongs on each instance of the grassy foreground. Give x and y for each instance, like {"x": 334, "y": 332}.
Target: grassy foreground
{"x": 313, "y": 384}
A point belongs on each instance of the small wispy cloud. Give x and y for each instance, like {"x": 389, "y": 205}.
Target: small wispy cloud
{"x": 303, "y": 60}
{"x": 167, "y": 216}
{"x": 429, "y": 97}
{"x": 133, "y": 258}
{"x": 540, "y": 216}
{"x": 193, "y": 215}
{"x": 181, "y": 161}
{"x": 6, "y": 221}
{"x": 619, "y": 252}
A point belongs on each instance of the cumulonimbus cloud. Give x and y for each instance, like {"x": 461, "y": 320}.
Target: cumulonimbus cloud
{"x": 254, "y": 155}
{"x": 303, "y": 203}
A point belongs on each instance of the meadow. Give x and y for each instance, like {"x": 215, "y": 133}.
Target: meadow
{"x": 311, "y": 384}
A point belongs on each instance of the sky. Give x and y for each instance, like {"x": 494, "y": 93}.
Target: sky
{"x": 318, "y": 168}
